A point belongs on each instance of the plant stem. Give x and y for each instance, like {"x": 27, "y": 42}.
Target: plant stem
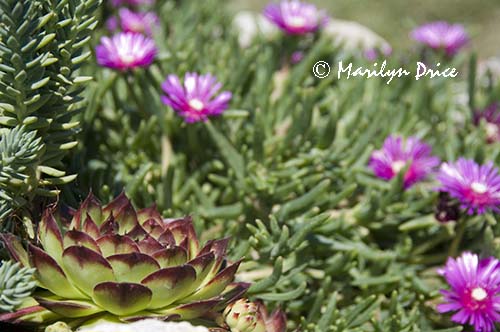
{"x": 458, "y": 238}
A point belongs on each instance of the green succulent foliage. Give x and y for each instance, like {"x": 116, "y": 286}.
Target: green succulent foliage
{"x": 20, "y": 151}
{"x": 42, "y": 46}
{"x": 16, "y": 285}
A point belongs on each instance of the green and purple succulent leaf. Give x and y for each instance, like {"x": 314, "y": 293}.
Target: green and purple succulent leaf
{"x": 167, "y": 238}
{"x": 192, "y": 310}
{"x": 122, "y": 298}
{"x": 169, "y": 284}
{"x": 90, "y": 207}
{"x": 109, "y": 226}
{"x": 168, "y": 257}
{"x": 15, "y": 249}
{"x": 233, "y": 292}
{"x": 126, "y": 218}
{"x": 77, "y": 238}
{"x": 219, "y": 248}
{"x": 113, "y": 244}
{"x": 33, "y": 313}
{"x": 137, "y": 233}
{"x": 183, "y": 231}
{"x": 89, "y": 227}
{"x": 276, "y": 322}
{"x": 70, "y": 308}
{"x": 154, "y": 228}
{"x": 50, "y": 236}
{"x": 113, "y": 207}
{"x": 215, "y": 286}
{"x": 149, "y": 245}
{"x": 50, "y": 275}
{"x": 86, "y": 268}
{"x": 203, "y": 265}
{"x": 132, "y": 267}
{"x": 148, "y": 213}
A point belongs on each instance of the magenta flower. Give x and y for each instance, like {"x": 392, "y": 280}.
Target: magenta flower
{"x": 491, "y": 115}
{"x": 442, "y": 35}
{"x": 395, "y": 154}
{"x": 477, "y": 187}
{"x": 196, "y": 100}
{"x": 295, "y": 17}
{"x": 143, "y": 22}
{"x": 474, "y": 293}
{"x": 126, "y": 50}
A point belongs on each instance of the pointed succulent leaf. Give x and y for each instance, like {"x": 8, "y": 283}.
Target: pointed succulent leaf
{"x": 122, "y": 298}
{"x": 217, "y": 284}
{"x": 232, "y": 293}
{"x": 126, "y": 218}
{"x": 77, "y": 238}
{"x": 132, "y": 267}
{"x": 51, "y": 276}
{"x": 91, "y": 207}
{"x": 192, "y": 310}
{"x": 148, "y": 213}
{"x": 112, "y": 244}
{"x": 169, "y": 284}
{"x": 15, "y": 249}
{"x": 86, "y": 268}
{"x": 149, "y": 245}
{"x": 50, "y": 236}
{"x": 202, "y": 265}
{"x": 115, "y": 205}
{"x": 89, "y": 227}
{"x": 171, "y": 256}
{"x": 70, "y": 308}
{"x": 183, "y": 229}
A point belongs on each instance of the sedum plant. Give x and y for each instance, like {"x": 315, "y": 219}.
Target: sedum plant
{"x": 16, "y": 283}
{"x": 115, "y": 262}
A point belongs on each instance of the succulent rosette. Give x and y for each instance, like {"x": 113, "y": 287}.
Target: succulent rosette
{"x": 246, "y": 316}
{"x": 116, "y": 262}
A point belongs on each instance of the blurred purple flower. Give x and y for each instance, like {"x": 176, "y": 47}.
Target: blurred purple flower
{"x": 395, "y": 154}
{"x": 296, "y": 17}
{"x": 442, "y": 35}
{"x": 196, "y": 99}
{"x": 126, "y": 50}
{"x": 477, "y": 187}
{"x": 474, "y": 293}
{"x": 296, "y": 57}
{"x": 491, "y": 115}
{"x": 374, "y": 53}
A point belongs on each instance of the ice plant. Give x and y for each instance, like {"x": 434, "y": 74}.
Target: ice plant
{"x": 474, "y": 291}
{"x": 119, "y": 263}
{"x": 140, "y": 22}
{"x": 477, "y": 187}
{"x": 197, "y": 98}
{"x": 442, "y": 35}
{"x": 491, "y": 117}
{"x": 126, "y": 50}
{"x": 295, "y": 17}
{"x": 396, "y": 154}
{"x": 246, "y": 316}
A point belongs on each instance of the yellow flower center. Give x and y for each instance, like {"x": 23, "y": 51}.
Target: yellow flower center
{"x": 479, "y": 294}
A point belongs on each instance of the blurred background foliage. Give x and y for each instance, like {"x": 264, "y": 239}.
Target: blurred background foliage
{"x": 393, "y": 19}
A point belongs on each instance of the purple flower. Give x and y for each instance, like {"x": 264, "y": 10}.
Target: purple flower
{"x": 395, "y": 154}
{"x": 442, "y": 35}
{"x": 474, "y": 293}
{"x": 132, "y": 2}
{"x": 375, "y": 53}
{"x": 126, "y": 50}
{"x": 297, "y": 57}
{"x": 196, "y": 100}
{"x": 477, "y": 187}
{"x": 143, "y": 22}
{"x": 295, "y": 17}
{"x": 491, "y": 115}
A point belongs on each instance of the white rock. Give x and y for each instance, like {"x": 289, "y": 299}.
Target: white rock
{"x": 250, "y": 24}
{"x": 147, "y": 325}
{"x": 354, "y": 36}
